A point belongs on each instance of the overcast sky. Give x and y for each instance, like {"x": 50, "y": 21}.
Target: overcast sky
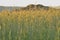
{"x": 26, "y": 2}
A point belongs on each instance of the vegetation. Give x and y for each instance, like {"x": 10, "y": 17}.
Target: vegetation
{"x": 30, "y": 24}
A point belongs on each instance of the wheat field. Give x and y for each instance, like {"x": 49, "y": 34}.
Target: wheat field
{"x": 30, "y": 25}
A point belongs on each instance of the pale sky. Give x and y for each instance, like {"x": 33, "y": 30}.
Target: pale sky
{"x": 26, "y": 2}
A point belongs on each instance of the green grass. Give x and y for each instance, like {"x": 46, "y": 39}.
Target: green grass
{"x": 33, "y": 25}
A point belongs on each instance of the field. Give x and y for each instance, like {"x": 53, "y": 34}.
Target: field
{"x": 30, "y": 25}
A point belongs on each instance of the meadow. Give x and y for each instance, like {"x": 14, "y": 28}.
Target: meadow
{"x": 30, "y": 25}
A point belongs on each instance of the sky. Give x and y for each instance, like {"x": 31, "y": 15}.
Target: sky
{"x": 27, "y": 2}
